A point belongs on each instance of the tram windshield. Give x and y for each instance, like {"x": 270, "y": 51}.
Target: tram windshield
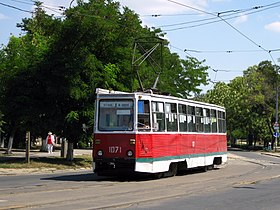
{"x": 115, "y": 115}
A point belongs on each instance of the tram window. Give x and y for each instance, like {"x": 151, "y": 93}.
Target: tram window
{"x": 191, "y": 119}
{"x": 158, "y": 119}
{"x": 115, "y": 115}
{"x": 199, "y": 119}
{"x": 182, "y": 108}
{"x": 207, "y": 125}
{"x": 213, "y": 115}
{"x": 221, "y": 122}
{"x": 183, "y": 125}
{"x": 143, "y": 123}
{"x": 171, "y": 117}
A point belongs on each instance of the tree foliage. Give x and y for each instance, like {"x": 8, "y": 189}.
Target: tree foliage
{"x": 250, "y": 102}
{"x": 48, "y": 75}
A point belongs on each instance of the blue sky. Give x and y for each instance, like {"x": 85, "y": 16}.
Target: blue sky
{"x": 245, "y": 33}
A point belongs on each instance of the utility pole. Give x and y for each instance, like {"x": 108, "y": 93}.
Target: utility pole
{"x": 27, "y": 138}
{"x": 276, "y": 111}
{"x": 276, "y": 118}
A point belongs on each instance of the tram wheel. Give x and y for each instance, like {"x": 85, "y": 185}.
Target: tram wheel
{"x": 205, "y": 168}
{"x": 158, "y": 175}
{"x": 173, "y": 168}
{"x": 211, "y": 167}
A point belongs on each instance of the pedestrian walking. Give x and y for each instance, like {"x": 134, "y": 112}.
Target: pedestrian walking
{"x": 269, "y": 146}
{"x": 50, "y": 142}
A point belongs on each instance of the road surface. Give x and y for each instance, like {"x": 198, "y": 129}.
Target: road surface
{"x": 247, "y": 181}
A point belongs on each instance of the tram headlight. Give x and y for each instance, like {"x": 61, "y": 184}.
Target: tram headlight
{"x": 129, "y": 153}
{"x": 99, "y": 153}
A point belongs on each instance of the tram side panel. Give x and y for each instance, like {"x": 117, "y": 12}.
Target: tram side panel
{"x": 155, "y": 152}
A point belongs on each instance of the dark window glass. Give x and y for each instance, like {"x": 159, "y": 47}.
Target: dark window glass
{"x": 191, "y": 119}
{"x": 171, "y": 117}
{"x": 183, "y": 124}
{"x": 158, "y": 118}
{"x": 199, "y": 119}
{"x": 143, "y": 123}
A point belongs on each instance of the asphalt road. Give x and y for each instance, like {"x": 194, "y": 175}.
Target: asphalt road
{"x": 248, "y": 181}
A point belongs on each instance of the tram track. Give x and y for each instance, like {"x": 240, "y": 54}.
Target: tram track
{"x": 122, "y": 194}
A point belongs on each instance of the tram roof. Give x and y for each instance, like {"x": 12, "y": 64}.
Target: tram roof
{"x": 100, "y": 91}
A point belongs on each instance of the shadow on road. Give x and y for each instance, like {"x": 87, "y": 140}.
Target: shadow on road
{"x": 90, "y": 176}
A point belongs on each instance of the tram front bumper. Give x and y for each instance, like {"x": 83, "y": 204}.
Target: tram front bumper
{"x": 113, "y": 166}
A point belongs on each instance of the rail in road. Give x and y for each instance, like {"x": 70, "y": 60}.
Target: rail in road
{"x": 84, "y": 190}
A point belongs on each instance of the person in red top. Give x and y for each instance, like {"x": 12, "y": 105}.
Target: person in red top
{"x": 50, "y": 142}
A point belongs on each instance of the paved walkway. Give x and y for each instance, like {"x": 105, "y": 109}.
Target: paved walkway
{"x": 20, "y": 153}
{"x": 38, "y": 153}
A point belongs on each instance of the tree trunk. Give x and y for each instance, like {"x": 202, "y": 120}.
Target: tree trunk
{"x": 250, "y": 139}
{"x": 2, "y": 140}
{"x": 10, "y": 143}
{"x": 70, "y": 151}
{"x": 44, "y": 147}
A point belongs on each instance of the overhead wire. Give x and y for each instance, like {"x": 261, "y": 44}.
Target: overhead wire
{"x": 206, "y": 21}
{"x": 57, "y": 9}
{"x": 227, "y": 14}
{"x": 222, "y": 51}
{"x": 17, "y": 8}
{"x": 219, "y": 15}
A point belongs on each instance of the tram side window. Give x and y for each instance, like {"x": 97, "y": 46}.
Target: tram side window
{"x": 214, "y": 125}
{"x": 207, "y": 125}
{"x": 158, "y": 116}
{"x": 143, "y": 115}
{"x": 222, "y": 122}
{"x": 191, "y": 119}
{"x": 171, "y": 117}
{"x": 183, "y": 118}
{"x": 199, "y": 119}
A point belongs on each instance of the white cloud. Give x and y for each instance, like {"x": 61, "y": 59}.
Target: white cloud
{"x": 273, "y": 27}
{"x": 221, "y": 0}
{"x": 3, "y": 17}
{"x": 241, "y": 19}
{"x": 147, "y": 7}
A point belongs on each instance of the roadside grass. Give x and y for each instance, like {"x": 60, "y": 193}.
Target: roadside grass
{"x": 81, "y": 161}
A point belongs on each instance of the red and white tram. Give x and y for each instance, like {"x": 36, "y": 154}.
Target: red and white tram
{"x": 151, "y": 133}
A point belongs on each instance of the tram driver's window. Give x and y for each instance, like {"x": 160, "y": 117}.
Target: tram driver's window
{"x": 143, "y": 123}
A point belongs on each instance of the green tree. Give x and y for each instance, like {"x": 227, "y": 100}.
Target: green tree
{"x": 249, "y": 102}
{"x": 20, "y": 89}
{"x": 49, "y": 75}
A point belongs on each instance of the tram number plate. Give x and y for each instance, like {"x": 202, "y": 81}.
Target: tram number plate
{"x": 115, "y": 149}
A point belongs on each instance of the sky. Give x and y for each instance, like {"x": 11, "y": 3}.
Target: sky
{"x": 228, "y": 35}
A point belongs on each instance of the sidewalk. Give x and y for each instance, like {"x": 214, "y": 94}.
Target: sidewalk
{"x": 274, "y": 154}
{"x": 37, "y": 153}
{"x": 20, "y": 153}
